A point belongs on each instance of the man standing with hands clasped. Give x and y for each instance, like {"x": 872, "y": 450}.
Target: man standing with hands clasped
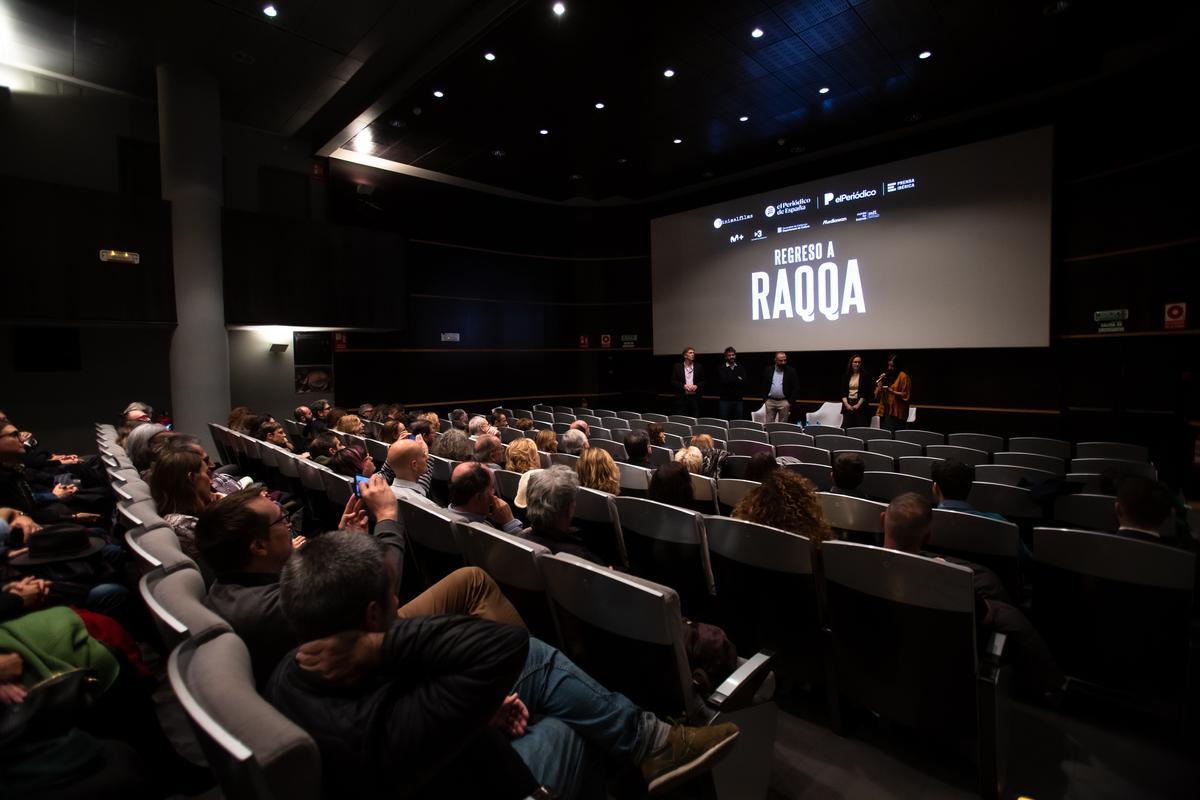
{"x": 780, "y": 383}
{"x": 732, "y": 378}
{"x": 687, "y": 379}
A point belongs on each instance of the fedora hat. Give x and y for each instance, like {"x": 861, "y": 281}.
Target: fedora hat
{"x": 62, "y": 542}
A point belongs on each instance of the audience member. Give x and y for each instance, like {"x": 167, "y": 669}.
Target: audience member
{"x": 365, "y": 411}
{"x": 391, "y": 431}
{"x": 458, "y": 419}
{"x": 656, "y": 434}
{"x": 323, "y": 447}
{"x": 319, "y": 423}
{"x": 690, "y": 457}
{"x": 597, "y": 470}
{"x": 478, "y": 426}
{"x": 137, "y": 411}
{"x": 351, "y": 423}
{"x": 550, "y": 507}
{"x": 303, "y": 415}
{"x": 906, "y": 526}
{"x": 848, "y": 470}
{"x": 46, "y": 506}
{"x": 274, "y": 433}
{"x": 523, "y": 424}
{"x": 1143, "y": 506}
{"x": 573, "y": 442}
{"x": 422, "y": 429}
{"x": 564, "y": 725}
{"x": 237, "y": 418}
{"x": 352, "y": 461}
{"x": 139, "y": 445}
{"x": 335, "y": 414}
{"x": 952, "y": 481}
{"x": 435, "y": 424}
{"x": 761, "y": 465}
{"x": 489, "y": 451}
{"x": 473, "y": 498}
{"x": 181, "y": 487}
{"x": 582, "y": 427}
{"x": 499, "y": 420}
{"x": 408, "y": 460}
{"x": 522, "y": 456}
{"x": 547, "y": 441}
{"x": 672, "y": 484}
{"x": 787, "y": 501}
{"x": 637, "y": 448}
{"x": 454, "y": 445}
{"x": 712, "y": 459}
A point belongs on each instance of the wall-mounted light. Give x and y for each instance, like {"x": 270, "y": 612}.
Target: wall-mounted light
{"x": 120, "y": 256}
{"x": 279, "y": 347}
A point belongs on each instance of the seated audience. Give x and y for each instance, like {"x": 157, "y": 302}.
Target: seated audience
{"x": 391, "y": 431}
{"x": 335, "y": 414}
{"x": 303, "y": 415}
{"x": 139, "y": 445}
{"x": 906, "y": 527}
{"x": 478, "y": 426}
{"x": 672, "y": 484}
{"x": 337, "y": 594}
{"x": 454, "y": 445}
{"x": 182, "y": 487}
{"x": 581, "y": 426}
{"x": 547, "y": 441}
{"x": 637, "y": 448}
{"x": 137, "y": 412}
{"x": 365, "y": 411}
{"x": 573, "y": 442}
{"x": 690, "y": 457}
{"x": 522, "y": 456}
{"x": 1143, "y": 506}
{"x": 597, "y": 470}
{"x": 421, "y": 429}
{"x": 952, "y": 481}
{"x": 237, "y": 418}
{"x": 761, "y": 465}
{"x": 458, "y": 420}
{"x": 848, "y": 470}
{"x": 712, "y": 459}
{"x": 473, "y": 498}
{"x": 489, "y": 451}
{"x": 550, "y": 507}
{"x": 246, "y": 540}
{"x": 408, "y": 460}
{"x": 319, "y": 423}
{"x": 787, "y": 501}
{"x": 656, "y": 434}
{"x": 46, "y": 505}
{"x": 351, "y": 423}
{"x": 324, "y": 447}
{"x": 435, "y": 424}
{"x": 274, "y": 433}
{"x": 523, "y": 424}
{"x": 499, "y": 420}
{"x": 351, "y": 461}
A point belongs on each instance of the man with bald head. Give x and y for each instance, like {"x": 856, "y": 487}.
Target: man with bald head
{"x": 473, "y": 498}
{"x": 906, "y": 528}
{"x": 581, "y": 425}
{"x": 408, "y": 460}
{"x": 489, "y": 452}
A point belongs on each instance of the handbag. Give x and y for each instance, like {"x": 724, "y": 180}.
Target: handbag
{"x": 51, "y": 707}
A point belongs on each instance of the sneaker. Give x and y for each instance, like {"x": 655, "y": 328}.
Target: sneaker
{"x": 687, "y": 753}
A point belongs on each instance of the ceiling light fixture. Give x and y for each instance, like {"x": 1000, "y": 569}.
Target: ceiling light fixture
{"x": 924, "y": 54}
{"x": 743, "y": 118}
{"x": 559, "y": 9}
{"x": 757, "y": 33}
{"x": 544, "y": 132}
{"x": 489, "y": 56}
{"x": 668, "y": 73}
{"x": 677, "y": 141}
{"x": 823, "y": 90}
{"x": 438, "y": 93}
{"x": 599, "y": 105}
{"x": 270, "y": 11}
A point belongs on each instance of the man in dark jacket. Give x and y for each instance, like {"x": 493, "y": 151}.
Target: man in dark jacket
{"x": 687, "y": 381}
{"x": 779, "y": 386}
{"x": 731, "y": 377}
{"x": 390, "y": 703}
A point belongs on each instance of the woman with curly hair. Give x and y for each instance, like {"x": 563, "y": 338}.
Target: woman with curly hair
{"x": 547, "y": 441}
{"x": 787, "y": 501}
{"x": 435, "y": 424}
{"x": 711, "y": 459}
{"x": 351, "y": 423}
{"x": 690, "y": 457}
{"x": 598, "y": 471}
{"x": 523, "y": 456}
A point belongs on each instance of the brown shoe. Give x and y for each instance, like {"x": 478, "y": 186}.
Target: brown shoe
{"x": 688, "y": 752}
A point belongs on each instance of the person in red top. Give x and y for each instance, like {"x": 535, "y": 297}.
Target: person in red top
{"x": 893, "y": 390}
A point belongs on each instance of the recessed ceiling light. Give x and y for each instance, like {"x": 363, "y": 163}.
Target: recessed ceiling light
{"x": 559, "y": 9}
{"x": 757, "y": 33}
{"x": 622, "y": 160}
{"x": 599, "y": 105}
{"x": 575, "y": 176}
{"x": 677, "y": 141}
{"x": 823, "y": 90}
{"x": 270, "y": 10}
{"x": 743, "y": 118}
{"x": 544, "y": 132}
{"x": 438, "y": 93}
{"x": 924, "y": 54}
{"x": 668, "y": 73}
{"x": 489, "y": 56}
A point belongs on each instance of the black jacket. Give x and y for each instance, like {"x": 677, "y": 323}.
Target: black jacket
{"x": 733, "y": 381}
{"x": 791, "y": 383}
{"x": 440, "y": 680}
{"x": 677, "y": 379}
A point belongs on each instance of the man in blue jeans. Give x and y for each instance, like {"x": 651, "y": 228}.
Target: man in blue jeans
{"x": 394, "y": 703}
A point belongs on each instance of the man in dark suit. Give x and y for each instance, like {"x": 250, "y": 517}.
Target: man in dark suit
{"x": 779, "y": 383}
{"x": 732, "y": 378}
{"x": 687, "y": 379}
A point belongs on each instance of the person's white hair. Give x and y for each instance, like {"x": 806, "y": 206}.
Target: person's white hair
{"x": 550, "y": 493}
{"x": 477, "y": 425}
{"x": 572, "y": 442}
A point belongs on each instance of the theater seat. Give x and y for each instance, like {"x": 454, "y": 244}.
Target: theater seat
{"x": 860, "y": 520}
{"x": 599, "y": 525}
{"x": 730, "y": 491}
{"x": 431, "y": 541}
{"x": 819, "y": 474}
{"x": 176, "y": 603}
{"x": 511, "y": 562}
{"x": 883, "y": 486}
{"x": 667, "y": 544}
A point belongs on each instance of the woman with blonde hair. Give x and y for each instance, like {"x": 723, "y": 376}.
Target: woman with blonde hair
{"x": 351, "y": 423}
{"x": 523, "y": 456}
{"x": 598, "y": 471}
{"x": 547, "y": 441}
{"x": 788, "y": 501}
{"x": 435, "y": 424}
{"x": 711, "y": 459}
{"x": 691, "y": 458}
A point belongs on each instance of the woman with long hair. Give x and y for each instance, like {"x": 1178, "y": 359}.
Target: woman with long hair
{"x": 181, "y": 486}
{"x": 788, "y": 501}
{"x": 855, "y": 413}
{"x": 523, "y": 456}
{"x": 893, "y": 390}
{"x": 547, "y": 441}
{"x": 711, "y": 458}
{"x": 598, "y": 471}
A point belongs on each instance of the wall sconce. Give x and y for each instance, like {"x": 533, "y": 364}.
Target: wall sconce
{"x": 279, "y": 347}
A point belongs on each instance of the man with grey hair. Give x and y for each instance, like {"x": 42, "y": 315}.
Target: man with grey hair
{"x": 376, "y": 692}
{"x": 573, "y": 442}
{"x": 550, "y": 507}
{"x": 478, "y": 426}
{"x": 489, "y": 451}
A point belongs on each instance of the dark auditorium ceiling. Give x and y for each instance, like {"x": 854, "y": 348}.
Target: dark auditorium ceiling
{"x": 357, "y": 78}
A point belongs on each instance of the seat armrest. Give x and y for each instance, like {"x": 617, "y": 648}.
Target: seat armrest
{"x": 738, "y": 690}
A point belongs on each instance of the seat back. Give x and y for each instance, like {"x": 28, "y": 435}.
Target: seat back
{"x": 704, "y": 490}
{"x": 823, "y": 430}
{"x": 883, "y": 608}
{"x": 877, "y": 462}
{"x": 1118, "y": 466}
{"x": 715, "y": 431}
{"x": 634, "y": 481}
{"x": 714, "y": 422}
{"x": 627, "y": 415}
{"x": 660, "y": 455}
{"x": 543, "y": 416}
{"x": 991, "y": 542}
{"x": 176, "y": 603}
{"x": 565, "y": 417}
{"x": 747, "y": 435}
{"x": 883, "y": 486}
{"x": 1051, "y": 464}
{"x": 921, "y": 466}
{"x": 511, "y": 562}
{"x": 626, "y": 632}
{"x": 976, "y": 441}
{"x": 159, "y": 547}
{"x": 431, "y": 540}
{"x": 894, "y": 448}
{"x": 507, "y": 483}
{"x": 666, "y": 544}
{"x": 566, "y": 459}
{"x": 678, "y": 429}
{"x": 1094, "y": 512}
{"x": 966, "y": 455}
{"x": 833, "y": 442}
{"x": 338, "y": 488}
{"x": 1116, "y": 611}
{"x": 252, "y": 749}
{"x": 743, "y": 447}
{"x": 511, "y": 435}
{"x": 809, "y": 455}
{"x": 591, "y": 420}
{"x": 859, "y": 519}
{"x": 599, "y": 525}
{"x": 617, "y": 425}
{"x": 659, "y": 418}
{"x": 1011, "y": 475}
{"x": 1117, "y": 450}
{"x": 1011, "y": 502}
{"x": 923, "y": 438}
{"x": 747, "y": 424}
{"x": 730, "y": 491}
{"x": 1056, "y": 448}
{"x": 791, "y": 437}
{"x": 682, "y": 419}
{"x": 604, "y": 413}
{"x": 522, "y": 413}
{"x": 870, "y": 434}
{"x": 819, "y": 474}
{"x": 614, "y": 449}
{"x": 734, "y": 466}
